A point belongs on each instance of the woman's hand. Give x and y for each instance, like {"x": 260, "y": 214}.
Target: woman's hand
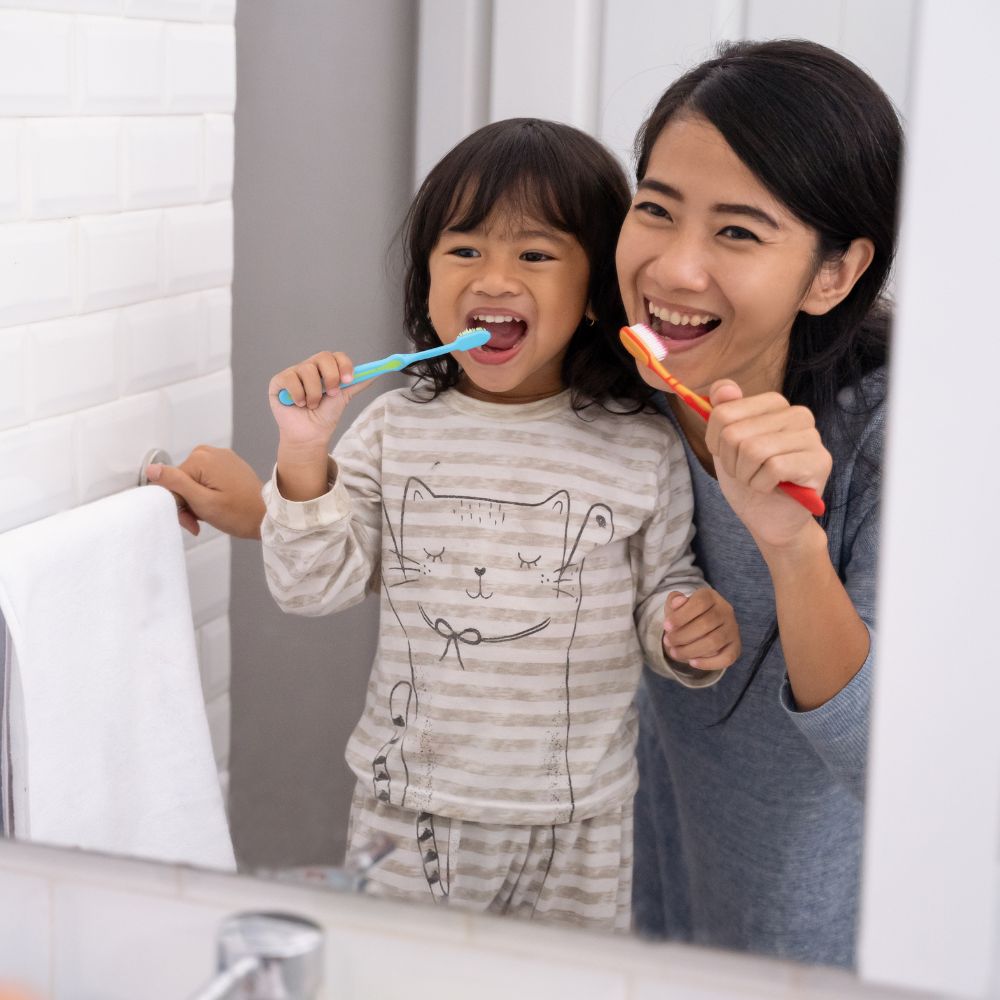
{"x": 701, "y": 630}
{"x": 756, "y": 443}
{"x": 213, "y": 485}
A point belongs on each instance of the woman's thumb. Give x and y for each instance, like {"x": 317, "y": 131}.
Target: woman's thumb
{"x": 188, "y": 492}
{"x": 724, "y": 391}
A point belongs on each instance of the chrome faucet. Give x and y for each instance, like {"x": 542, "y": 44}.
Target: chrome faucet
{"x": 267, "y": 956}
{"x": 276, "y": 956}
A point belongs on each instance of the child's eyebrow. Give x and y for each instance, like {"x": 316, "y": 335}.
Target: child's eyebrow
{"x": 724, "y": 208}
{"x": 541, "y": 234}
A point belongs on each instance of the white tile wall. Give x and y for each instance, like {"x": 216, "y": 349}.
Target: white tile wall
{"x": 116, "y": 167}
{"x": 36, "y": 63}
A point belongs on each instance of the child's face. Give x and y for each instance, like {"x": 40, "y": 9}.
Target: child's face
{"x": 713, "y": 263}
{"x": 526, "y": 283}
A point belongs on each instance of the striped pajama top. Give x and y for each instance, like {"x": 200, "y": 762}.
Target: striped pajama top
{"x": 523, "y": 554}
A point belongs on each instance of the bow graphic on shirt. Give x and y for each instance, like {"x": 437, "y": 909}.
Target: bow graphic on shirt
{"x": 472, "y": 636}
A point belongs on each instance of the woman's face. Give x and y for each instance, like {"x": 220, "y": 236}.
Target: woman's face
{"x": 713, "y": 263}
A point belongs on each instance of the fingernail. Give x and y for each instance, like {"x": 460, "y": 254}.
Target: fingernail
{"x": 347, "y": 378}
{"x": 694, "y": 663}
{"x": 668, "y": 626}
{"x": 678, "y": 602}
{"x": 153, "y": 471}
{"x": 672, "y": 652}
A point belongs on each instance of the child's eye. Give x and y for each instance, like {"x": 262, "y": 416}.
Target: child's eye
{"x": 435, "y": 556}
{"x": 738, "y": 233}
{"x": 465, "y": 252}
{"x": 528, "y": 563}
{"x": 535, "y": 256}
{"x": 651, "y": 208}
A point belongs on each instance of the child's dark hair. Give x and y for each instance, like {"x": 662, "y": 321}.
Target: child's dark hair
{"x": 822, "y": 136}
{"x": 555, "y": 173}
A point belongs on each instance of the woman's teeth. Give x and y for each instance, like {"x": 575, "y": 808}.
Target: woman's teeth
{"x": 679, "y": 319}
{"x": 491, "y": 318}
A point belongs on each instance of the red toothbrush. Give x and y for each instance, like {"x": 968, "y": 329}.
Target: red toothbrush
{"x": 642, "y": 344}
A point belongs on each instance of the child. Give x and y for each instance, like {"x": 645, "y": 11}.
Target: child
{"x": 525, "y": 538}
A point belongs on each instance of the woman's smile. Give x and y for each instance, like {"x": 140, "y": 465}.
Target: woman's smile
{"x": 712, "y": 262}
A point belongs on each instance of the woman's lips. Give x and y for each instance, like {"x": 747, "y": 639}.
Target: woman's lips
{"x": 675, "y": 336}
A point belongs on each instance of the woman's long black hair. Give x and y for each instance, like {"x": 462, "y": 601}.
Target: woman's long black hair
{"x": 822, "y": 136}
{"x": 551, "y": 172}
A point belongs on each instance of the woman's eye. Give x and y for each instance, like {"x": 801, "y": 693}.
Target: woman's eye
{"x": 528, "y": 563}
{"x": 435, "y": 556}
{"x": 535, "y": 256}
{"x": 465, "y": 252}
{"x": 738, "y": 233}
{"x": 651, "y": 208}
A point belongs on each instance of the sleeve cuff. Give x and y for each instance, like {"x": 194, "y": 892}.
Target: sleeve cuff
{"x": 302, "y": 516}
{"x": 839, "y": 727}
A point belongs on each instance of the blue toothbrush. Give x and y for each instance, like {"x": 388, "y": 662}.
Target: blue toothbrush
{"x": 463, "y": 342}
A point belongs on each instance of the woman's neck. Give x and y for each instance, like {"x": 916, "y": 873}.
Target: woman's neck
{"x": 693, "y": 428}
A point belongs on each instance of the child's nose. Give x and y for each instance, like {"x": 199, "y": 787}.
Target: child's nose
{"x": 496, "y": 280}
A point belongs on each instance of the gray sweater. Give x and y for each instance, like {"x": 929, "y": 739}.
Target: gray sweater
{"x": 749, "y": 833}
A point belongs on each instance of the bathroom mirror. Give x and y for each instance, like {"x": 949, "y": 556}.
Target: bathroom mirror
{"x": 314, "y": 219}
{"x": 340, "y": 109}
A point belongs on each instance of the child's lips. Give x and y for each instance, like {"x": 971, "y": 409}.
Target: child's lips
{"x": 506, "y": 336}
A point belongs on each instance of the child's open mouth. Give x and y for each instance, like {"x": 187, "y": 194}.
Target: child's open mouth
{"x": 671, "y": 324}
{"x": 506, "y": 335}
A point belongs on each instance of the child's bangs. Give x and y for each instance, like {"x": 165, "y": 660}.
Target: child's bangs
{"x": 512, "y": 197}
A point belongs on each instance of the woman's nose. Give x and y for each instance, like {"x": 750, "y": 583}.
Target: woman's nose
{"x": 682, "y": 264}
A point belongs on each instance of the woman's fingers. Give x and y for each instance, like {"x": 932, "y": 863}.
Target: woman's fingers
{"x": 762, "y": 440}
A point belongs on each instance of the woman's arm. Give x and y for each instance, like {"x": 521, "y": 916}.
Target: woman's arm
{"x": 757, "y": 442}
{"x": 214, "y": 485}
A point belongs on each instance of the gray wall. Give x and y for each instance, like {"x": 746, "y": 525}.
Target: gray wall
{"x": 324, "y": 150}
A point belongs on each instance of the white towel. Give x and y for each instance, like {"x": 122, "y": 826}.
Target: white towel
{"x": 109, "y": 741}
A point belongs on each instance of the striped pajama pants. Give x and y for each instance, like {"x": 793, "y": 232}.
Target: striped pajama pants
{"x": 574, "y": 874}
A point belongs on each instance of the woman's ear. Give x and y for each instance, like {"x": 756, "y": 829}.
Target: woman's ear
{"x": 835, "y": 279}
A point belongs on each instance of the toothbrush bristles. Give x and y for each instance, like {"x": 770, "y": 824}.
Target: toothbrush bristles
{"x": 650, "y": 341}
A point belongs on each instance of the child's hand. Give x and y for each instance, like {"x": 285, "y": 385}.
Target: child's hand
{"x": 701, "y": 630}
{"x": 305, "y": 428}
{"x": 313, "y": 418}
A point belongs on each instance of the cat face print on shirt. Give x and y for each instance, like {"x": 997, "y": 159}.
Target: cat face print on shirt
{"x": 481, "y": 570}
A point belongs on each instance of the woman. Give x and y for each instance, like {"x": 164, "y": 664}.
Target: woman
{"x": 757, "y": 248}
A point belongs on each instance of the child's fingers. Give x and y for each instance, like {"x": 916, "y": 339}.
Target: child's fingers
{"x": 307, "y": 381}
{"x": 706, "y": 645}
{"x": 725, "y": 657}
{"x": 682, "y": 610}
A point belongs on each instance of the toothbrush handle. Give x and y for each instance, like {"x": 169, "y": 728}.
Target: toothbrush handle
{"x": 371, "y": 369}
{"x": 806, "y": 496}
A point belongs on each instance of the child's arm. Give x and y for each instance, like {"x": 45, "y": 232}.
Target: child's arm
{"x": 305, "y": 429}
{"x": 668, "y": 575}
{"x": 322, "y": 530}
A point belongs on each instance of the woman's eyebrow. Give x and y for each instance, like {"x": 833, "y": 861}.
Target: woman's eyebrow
{"x": 723, "y": 208}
